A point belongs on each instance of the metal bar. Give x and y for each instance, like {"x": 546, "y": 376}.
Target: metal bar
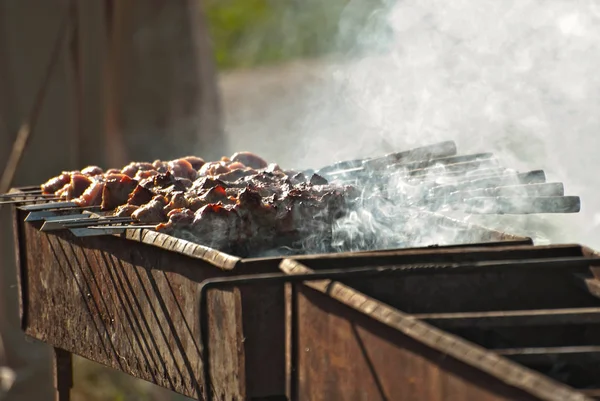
{"x": 84, "y": 222}
{"x": 576, "y": 263}
{"x": 442, "y": 149}
{"x": 544, "y": 189}
{"x": 530, "y": 177}
{"x": 438, "y": 150}
{"x": 96, "y": 231}
{"x": 520, "y": 205}
{"x": 10, "y": 195}
{"x": 49, "y": 206}
{"x": 16, "y": 202}
{"x": 540, "y": 317}
{"x": 442, "y": 161}
{"x": 579, "y": 355}
{"x": 44, "y": 214}
{"x": 455, "y": 168}
{"x": 414, "y": 168}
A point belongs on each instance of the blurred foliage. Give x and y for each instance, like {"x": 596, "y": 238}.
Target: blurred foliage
{"x": 253, "y": 32}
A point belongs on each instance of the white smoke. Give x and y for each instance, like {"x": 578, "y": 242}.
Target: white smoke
{"x": 514, "y": 77}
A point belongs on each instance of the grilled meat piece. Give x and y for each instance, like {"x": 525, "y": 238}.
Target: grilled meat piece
{"x": 92, "y": 195}
{"x": 249, "y": 159}
{"x": 215, "y": 195}
{"x": 213, "y": 168}
{"x": 132, "y": 168}
{"x": 236, "y": 166}
{"x": 56, "y": 183}
{"x": 140, "y": 196}
{"x": 92, "y": 171}
{"x": 116, "y": 192}
{"x": 143, "y": 174}
{"x": 150, "y": 213}
{"x": 77, "y": 185}
{"x": 177, "y": 218}
{"x": 160, "y": 166}
{"x": 125, "y": 210}
{"x": 236, "y": 174}
{"x": 196, "y": 162}
{"x": 182, "y": 168}
{"x": 178, "y": 201}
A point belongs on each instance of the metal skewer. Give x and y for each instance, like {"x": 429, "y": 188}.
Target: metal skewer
{"x": 15, "y": 202}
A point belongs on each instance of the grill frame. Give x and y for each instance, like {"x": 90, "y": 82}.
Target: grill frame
{"x": 55, "y": 266}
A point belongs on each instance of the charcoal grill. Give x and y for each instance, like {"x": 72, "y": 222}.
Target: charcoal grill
{"x": 128, "y": 301}
{"x": 130, "y": 297}
{"x": 507, "y": 323}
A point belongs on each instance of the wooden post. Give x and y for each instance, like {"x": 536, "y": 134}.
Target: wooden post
{"x": 62, "y": 366}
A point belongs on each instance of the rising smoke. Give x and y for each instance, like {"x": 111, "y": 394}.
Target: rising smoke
{"x": 515, "y": 77}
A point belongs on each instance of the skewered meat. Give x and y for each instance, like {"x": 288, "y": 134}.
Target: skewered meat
{"x": 92, "y": 195}
{"x": 125, "y": 210}
{"x": 132, "y": 168}
{"x": 196, "y": 162}
{"x": 56, "y": 183}
{"x": 178, "y": 201}
{"x": 177, "y": 217}
{"x": 76, "y": 186}
{"x": 116, "y": 192}
{"x": 182, "y": 168}
{"x": 140, "y": 196}
{"x": 249, "y": 159}
{"x": 92, "y": 171}
{"x": 160, "y": 166}
{"x": 150, "y": 213}
{"x": 143, "y": 174}
{"x": 213, "y": 168}
{"x": 238, "y": 204}
{"x": 236, "y": 174}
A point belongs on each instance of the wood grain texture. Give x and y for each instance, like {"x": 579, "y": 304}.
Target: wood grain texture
{"x": 130, "y": 302}
{"x": 352, "y": 347}
{"x": 133, "y": 307}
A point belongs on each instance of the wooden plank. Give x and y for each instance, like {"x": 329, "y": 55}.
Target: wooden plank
{"x": 326, "y": 345}
{"x": 512, "y": 318}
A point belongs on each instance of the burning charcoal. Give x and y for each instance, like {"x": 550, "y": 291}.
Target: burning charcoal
{"x": 298, "y": 178}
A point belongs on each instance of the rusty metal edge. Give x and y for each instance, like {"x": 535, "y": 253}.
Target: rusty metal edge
{"x": 511, "y": 373}
{"x": 229, "y": 262}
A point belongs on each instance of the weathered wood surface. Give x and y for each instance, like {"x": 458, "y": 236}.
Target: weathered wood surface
{"x": 349, "y": 346}
{"x": 133, "y": 307}
{"x": 130, "y": 303}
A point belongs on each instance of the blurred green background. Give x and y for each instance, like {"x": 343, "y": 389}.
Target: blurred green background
{"x": 248, "y": 33}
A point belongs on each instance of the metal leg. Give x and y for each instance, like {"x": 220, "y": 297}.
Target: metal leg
{"x": 63, "y": 374}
